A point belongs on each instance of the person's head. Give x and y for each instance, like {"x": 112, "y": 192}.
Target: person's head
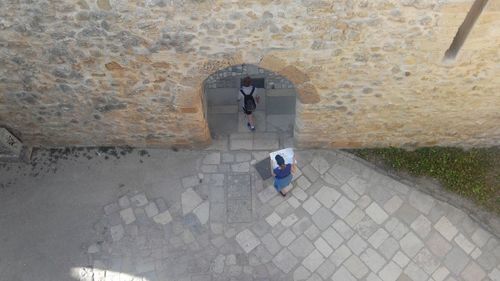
{"x": 247, "y": 81}
{"x": 280, "y": 160}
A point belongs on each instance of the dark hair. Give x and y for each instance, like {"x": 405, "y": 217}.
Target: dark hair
{"x": 247, "y": 81}
{"x": 279, "y": 160}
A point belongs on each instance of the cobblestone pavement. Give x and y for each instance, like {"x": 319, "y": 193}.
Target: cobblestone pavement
{"x": 207, "y": 215}
{"x": 342, "y": 221}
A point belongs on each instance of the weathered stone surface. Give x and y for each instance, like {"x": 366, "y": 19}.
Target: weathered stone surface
{"x": 138, "y": 81}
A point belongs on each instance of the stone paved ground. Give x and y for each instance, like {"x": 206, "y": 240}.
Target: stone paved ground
{"x": 342, "y": 221}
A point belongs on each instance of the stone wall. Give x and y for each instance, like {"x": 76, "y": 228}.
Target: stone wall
{"x": 367, "y": 73}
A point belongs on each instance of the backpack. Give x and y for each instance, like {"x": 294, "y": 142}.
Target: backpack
{"x": 249, "y": 101}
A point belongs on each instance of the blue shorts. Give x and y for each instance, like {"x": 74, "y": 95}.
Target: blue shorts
{"x": 279, "y": 184}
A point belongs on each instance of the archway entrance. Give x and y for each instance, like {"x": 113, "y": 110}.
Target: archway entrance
{"x": 274, "y": 115}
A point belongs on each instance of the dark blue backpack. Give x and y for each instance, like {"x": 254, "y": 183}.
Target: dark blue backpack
{"x": 249, "y": 101}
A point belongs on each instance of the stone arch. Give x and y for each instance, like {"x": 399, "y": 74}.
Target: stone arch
{"x": 306, "y": 92}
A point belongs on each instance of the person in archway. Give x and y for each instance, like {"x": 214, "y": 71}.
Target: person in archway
{"x": 249, "y": 102}
{"x": 282, "y": 175}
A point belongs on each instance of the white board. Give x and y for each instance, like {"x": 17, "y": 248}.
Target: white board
{"x": 286, "y": 153}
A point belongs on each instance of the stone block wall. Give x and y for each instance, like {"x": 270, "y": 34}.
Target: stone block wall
{"x": 130, "y": 72}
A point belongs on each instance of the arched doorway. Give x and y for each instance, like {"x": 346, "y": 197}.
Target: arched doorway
{"x": 274, "y": 115}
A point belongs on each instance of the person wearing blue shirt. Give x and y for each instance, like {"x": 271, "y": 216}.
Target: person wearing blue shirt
{"x": 282, "y": 175}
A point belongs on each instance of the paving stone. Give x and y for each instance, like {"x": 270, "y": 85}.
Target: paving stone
{"x": 323, "y": 247}
{"x": 311, "y": 205}
{"x": 421, "y": 201}
{"x": 247, "y": 240}
{"x": 407, "y": 213}
{"x": 285, "y": 260}
{"x": 217, "y": 212}
{"x": 293, "y": 202}
{"x": 227, "y": 157}
{"x": 243, "y": 167}
{"x": 218, "y": 264}
{"x": 320, "y": 164}
{"x": 401, "y": 259}
{"x": 277, "y": 230}
{"x": 438, "y": 245}
{"x": 393, "y": 204}
{"x": 422, "y": 226}
{"x": 340, "y": 255}
{"x": 301, "y": 226}
{"x": 372, "y": 277}
{"x": 301, "y": 247}
{"x": 124, "y": 202}
{"x": 241, "y": 141}
{"x": 343, "y": 274}
{"x": 310, "y": 173}
{"x": 480, "y": 237}
{"x": 415, "y": 273}
{"x": 314, "y": 277}
{"x": 355, "y": 217}
{"x": 376, "y": 213}
{"x": 389, "y": 247}
{"x": 151, "y": 209}
{"x": 357, "y": 268}
{"x": 312, "y": 232}
{"x": 299, "y": 194}
{"x": 313, "y": 260}
{"x": 273, "y": 219}
{"x": 217, "y": 194}
{"x": 341, "y": 173}
{"x": 377, "y": 238}
{"x": 343, "y": 229}
{"x": 187, "y": 182}
{"x": 364, "y": 201}
{"x": 358, "y": 184}
{"x": 239, "y": 210}
{"x": 476, "y": 253}
{"x": 390, "y": 272}
{"x": 464, "y": 243}
{"x": 366, "y": 227}
{"x": 271, "y": 243}
{"x": 411, "y": 244}
{"x": 301, "y": 273}
{"x": 290, "y": 220}
{"x": 331, "y": 180}
{"x": 327, "y": 196}
{"x": 303, "y": 182}
{"x": 372, "y": 259}
{"x": 343, "y": 207}
{"x": 440, "y": 274}
{"x": 426, "y": 261}
{"x": 189, "y": 200}
{"x": 284, "y": 209}
{"x": 286, "y": 237}
{"x": 238, "y": 186}
{"x": 357, "y": 244}
{"x": 117, "y": 232}
{"x": 332, "y": 237}
{"x": 487, "y": 260}
{"x": 127, "y": 215}
{"x": 202, "y": 212}
{"x": 446, "y": 228}
{"x": 326, "y": 269}
{"x": 266, "y": 141}
{"x": 456, "y": 260}
{"x": 209, "y": 169}
{"x": 396, "y": 228}
{"x": 267, "y": 194}
{"x": 212, "y": 158}
{"x": 495, "y": 274}
{"x": 111, "y": 208}
{"x": 263, "y": 254}
{"x": 349, "y": 192}
{"x": 323, "y": 218}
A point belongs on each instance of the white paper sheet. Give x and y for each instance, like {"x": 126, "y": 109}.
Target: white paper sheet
{"x": 286, "y": 153}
